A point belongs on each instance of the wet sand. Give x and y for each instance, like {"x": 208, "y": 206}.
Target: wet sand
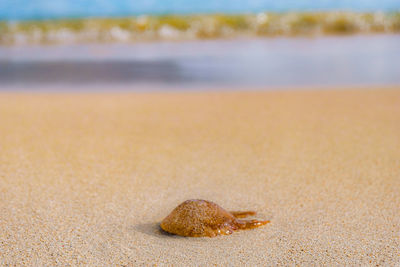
{"x": 86, "y": 178}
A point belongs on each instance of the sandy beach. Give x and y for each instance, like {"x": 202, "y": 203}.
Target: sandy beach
{"x": 85, "y": 178}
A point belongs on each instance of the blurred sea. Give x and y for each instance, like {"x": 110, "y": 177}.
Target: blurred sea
{"x": 207, "y": 43}
{"x": 241, "y": 63}
{"x": 51, "y": 9}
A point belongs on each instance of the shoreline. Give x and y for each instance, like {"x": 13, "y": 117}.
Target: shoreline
{"x": 118, "y": 89}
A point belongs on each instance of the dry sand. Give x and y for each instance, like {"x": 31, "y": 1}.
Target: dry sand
{"x": 86, "y": 178}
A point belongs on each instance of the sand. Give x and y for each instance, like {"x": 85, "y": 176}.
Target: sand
{"x": 86, "y": 178}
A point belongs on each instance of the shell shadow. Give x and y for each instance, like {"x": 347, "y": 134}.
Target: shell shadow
{"x": 154, "y": 229}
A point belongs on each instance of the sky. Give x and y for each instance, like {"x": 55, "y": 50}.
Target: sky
{"x": 50, "y": 9}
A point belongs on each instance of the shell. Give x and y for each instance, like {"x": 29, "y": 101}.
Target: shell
{"x": 199, "y": 218}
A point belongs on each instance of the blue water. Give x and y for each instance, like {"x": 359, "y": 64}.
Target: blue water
{"x": 50, "y": 9}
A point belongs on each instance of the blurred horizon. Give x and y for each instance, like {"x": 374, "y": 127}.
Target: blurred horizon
{"x": 221, "y": 43}
{"x": 17, "y": 10}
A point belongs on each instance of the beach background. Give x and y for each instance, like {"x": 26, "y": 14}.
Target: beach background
{"x": 114, "y": 112}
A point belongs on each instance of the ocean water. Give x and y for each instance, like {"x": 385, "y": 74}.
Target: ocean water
{"x": 369, "y": 60}
{"x": 51, "y": 9}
